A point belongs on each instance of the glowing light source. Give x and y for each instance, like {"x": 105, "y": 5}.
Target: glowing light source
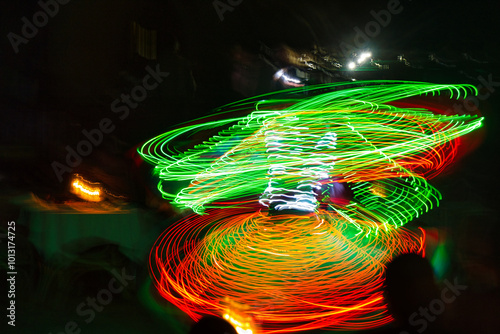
{"x": 364, "y": 56}
{"x": 235, "y": 313}
{"x": 351, "y": 65}
{"x": 354, "y": 163}
{"x": 286, "y": 79}
{"x": 86, "y": 190}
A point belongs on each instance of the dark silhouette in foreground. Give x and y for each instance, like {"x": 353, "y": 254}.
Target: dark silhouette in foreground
{"x": 212, "y": 325}
{"x": 410, "y": 288}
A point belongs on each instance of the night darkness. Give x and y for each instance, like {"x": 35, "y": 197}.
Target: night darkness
{"x": 68, "y": 79}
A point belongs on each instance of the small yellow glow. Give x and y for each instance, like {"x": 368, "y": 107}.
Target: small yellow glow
{"x": 237, "y": 315}
{"x": 86, "y": 190}
{"x": 82, "y": 188}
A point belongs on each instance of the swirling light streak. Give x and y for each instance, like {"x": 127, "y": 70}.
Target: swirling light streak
{"x": 355, "y": 164}
{"x": 376, "y": 141}
{"x": 295, "y": 272}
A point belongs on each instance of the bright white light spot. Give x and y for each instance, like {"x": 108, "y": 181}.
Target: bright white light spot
{"x": 364, "y": 56}
{"x": 279, "y": 74}
{"x": 240, "y": 330}
{"x": 351, "y": 65}
{"x": 290, "y": 79}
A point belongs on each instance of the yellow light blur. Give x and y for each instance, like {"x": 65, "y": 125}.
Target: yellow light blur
{"x": 86, "y": 190}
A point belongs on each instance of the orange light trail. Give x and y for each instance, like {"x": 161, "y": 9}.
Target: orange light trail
{"x": 86, "y": 190}
{"x": 294, "y": 272}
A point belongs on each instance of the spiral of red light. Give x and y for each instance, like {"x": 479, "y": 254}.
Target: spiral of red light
{"x": 308, "y": 272}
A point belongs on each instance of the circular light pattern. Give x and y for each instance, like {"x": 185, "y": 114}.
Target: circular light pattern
{"x": 294, "y": 272}
{"x": 352, "y": 135}
{"x": 302, "y": 201}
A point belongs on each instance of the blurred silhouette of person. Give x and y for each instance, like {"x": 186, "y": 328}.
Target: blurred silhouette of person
{"x": 477, "y": 252}
{"x": 409, "y": 289}
{"x": 210, "y": 324}
{"x": 246, "y": 72}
